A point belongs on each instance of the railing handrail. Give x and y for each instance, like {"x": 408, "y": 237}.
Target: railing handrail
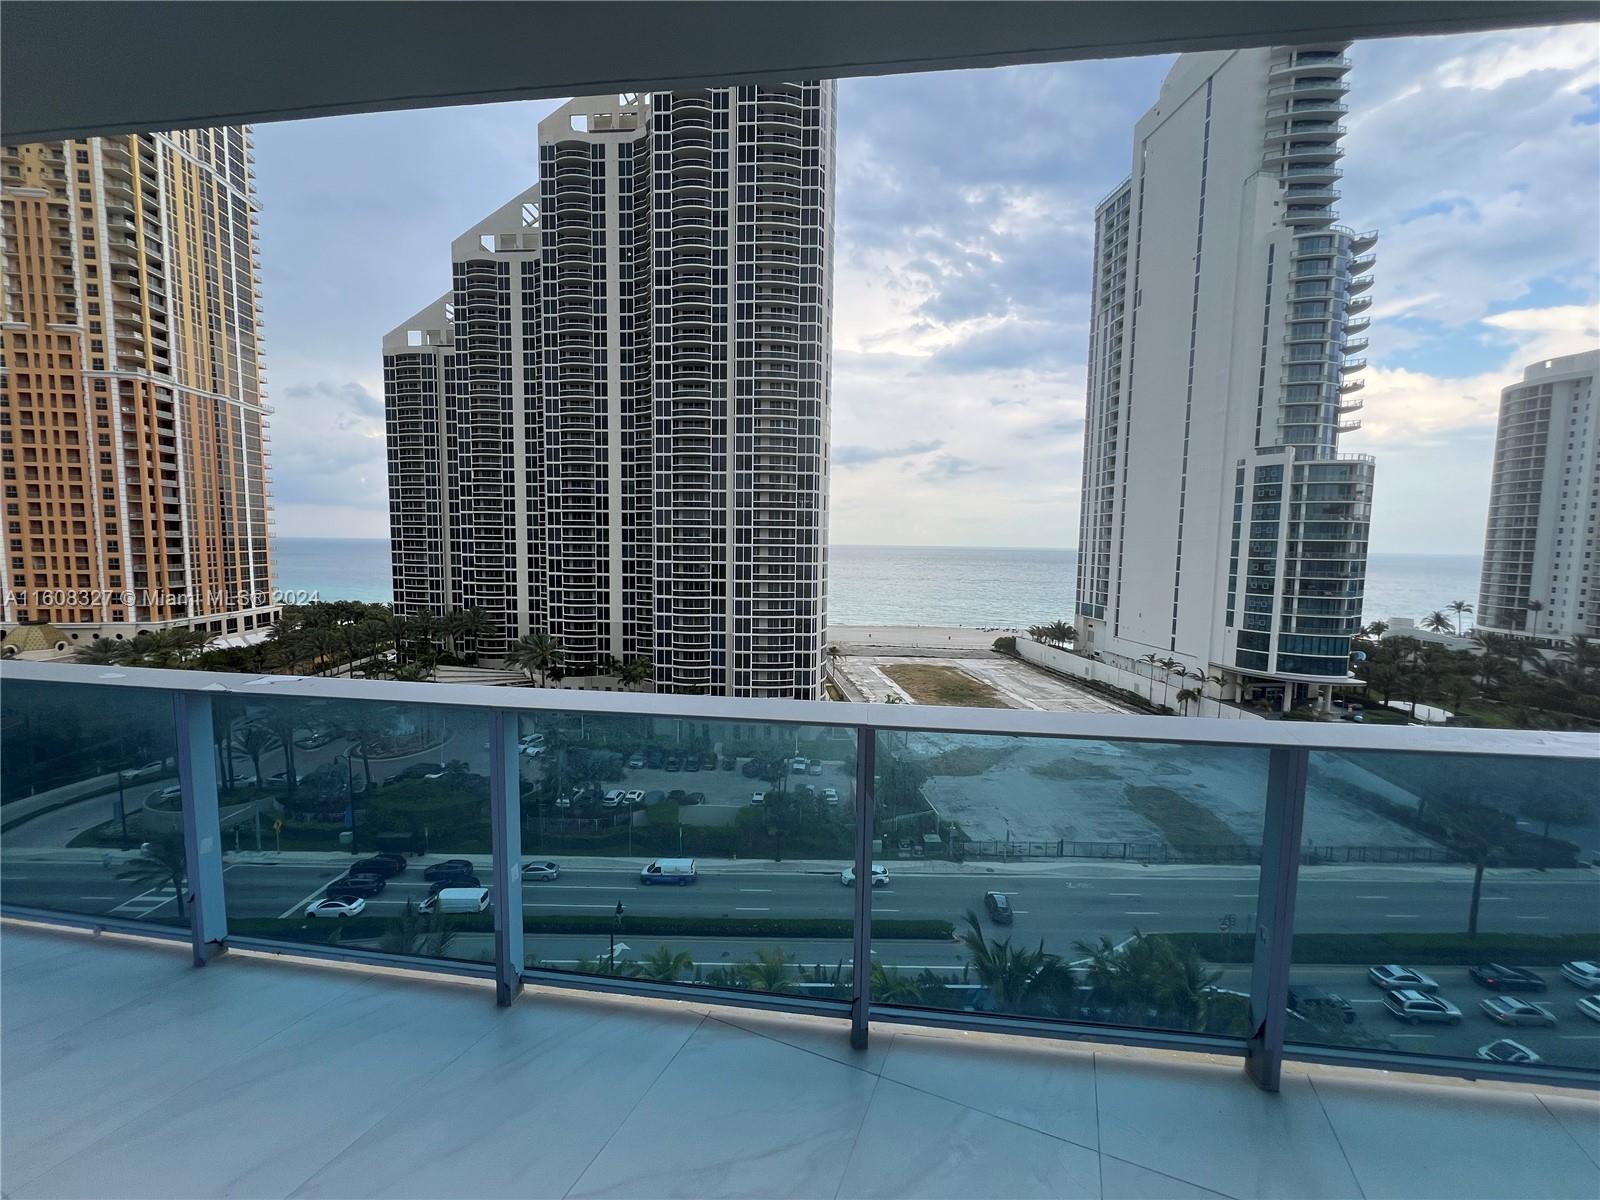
{"x": 900, "y": 718}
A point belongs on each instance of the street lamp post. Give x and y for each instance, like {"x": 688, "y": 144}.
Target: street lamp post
{"x": 611, "y": 957}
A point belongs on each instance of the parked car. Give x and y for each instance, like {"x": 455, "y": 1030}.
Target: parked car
{"x": 999, "y": 907}
{"x": 680, "y": 871}
{"x": 1316, "y": 1002}
{"x": 1392, "y": 977}
{"x": 1585, "y": 974}
{"x": 757, "y": 799}
{"x": 1507, "y": 979}
{"x": 315, "y": 739}
{"x": 799, "y": 765}
{"x": 694, "y": 798}
{"x": 1414, "y": 1007}
{"x": 633, "y": 797}
{"x": 636, "y": 760}
{"x": 1589, "y": 1006}
{"x": 880, "y": 876}
{"x": 674, "y": 763}
{"x": 464, "y": 880}
{"x": 751, "y": 769}
{"x": 385, "y": 865}
{"x": 653, "y": 759}
{"x": 815, "y": 767}
{"x": 152, "y": 770}
{"x": 1506, "y": 1051}
{"x": 613, "y": 798}
{"x": 652, "y": 798}
{"x": 531, "y": 739}
{"x": 356, "y": 885}
{"x": 531, "y": 750}
{"x": 336, "y": 906}
{"x": 729, "y": 763}
{"x": 691, "y": 761}
{"x": 1508, "y": 1010}
{"x": 447, "y": 868}
{"x": 540, "y": 872}
{"x": 830, "y": 795}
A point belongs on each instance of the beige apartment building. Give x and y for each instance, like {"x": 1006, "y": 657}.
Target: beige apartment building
{"x": 132, "y": 426}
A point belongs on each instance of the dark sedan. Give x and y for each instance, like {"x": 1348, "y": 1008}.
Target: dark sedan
{"x": 379, "y": 864}
{"x": 356, "y": 885}
{"x": 450, "y": 868}
{"x": 1498, "y": 978}
{"x": 999, "y": 907}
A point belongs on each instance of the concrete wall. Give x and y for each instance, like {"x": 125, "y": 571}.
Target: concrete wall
{"x": 1079, "y": 667}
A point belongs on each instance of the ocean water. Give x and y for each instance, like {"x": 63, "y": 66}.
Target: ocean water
{"x": 915, "y": 585}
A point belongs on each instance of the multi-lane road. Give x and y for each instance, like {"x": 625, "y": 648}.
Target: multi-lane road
{"x": 1058, "y": 906}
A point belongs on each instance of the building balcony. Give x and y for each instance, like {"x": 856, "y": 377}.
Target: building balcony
{"x": 752, "y": 1042}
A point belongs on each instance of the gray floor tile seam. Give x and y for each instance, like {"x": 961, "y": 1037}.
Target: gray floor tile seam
{"x": 1055, "y": 1137}
{"x": 1094, "y": 1092}
{"x": 216, "y": 1069}
{"x": 855, "y": 1142}
{"x": 1589, "y": 1152}
{"x": 1337, "y": 1140}
{"x": 634, "y": 1107}
{"x": 733, "y": 1023}
{"x": 1164, "y": 1174}
{"x": 379, "y": 1118}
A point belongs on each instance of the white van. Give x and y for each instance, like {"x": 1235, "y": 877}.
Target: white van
{"x": 669, "y": 870}
{"x": 457, "y": 900}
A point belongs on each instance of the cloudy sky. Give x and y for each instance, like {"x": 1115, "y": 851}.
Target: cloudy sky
{"x": 965, "y": 230}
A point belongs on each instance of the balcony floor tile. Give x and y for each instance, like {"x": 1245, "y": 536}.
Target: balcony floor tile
{"x": 1425, "y": 1142}
{"x": 916, "y": 1144}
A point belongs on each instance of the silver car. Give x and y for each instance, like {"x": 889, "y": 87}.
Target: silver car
{"x": 1507, "y": 1051}
{"x": 1392, "y": 977}
{"x": 1585, "y": 974}
{"x": 1412, "y": 1007}
{"x": 1509, "y": 1010}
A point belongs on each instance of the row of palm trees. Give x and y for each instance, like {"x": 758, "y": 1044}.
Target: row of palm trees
{"x": 1147, "y": 979}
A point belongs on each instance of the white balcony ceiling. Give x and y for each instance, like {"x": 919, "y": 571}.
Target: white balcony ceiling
{"x": 90, "y": 68}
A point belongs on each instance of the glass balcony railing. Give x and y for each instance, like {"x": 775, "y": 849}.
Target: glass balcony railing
{"x": 1374, "y": 895}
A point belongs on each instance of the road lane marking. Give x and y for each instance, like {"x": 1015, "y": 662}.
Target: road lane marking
{"x": 552, "y": 904}
{"x": 1372, "y": 897}
{"x": 1401, "y": 916}
{"x": 1245, "y": 895}
{"x": 1366, "y": 1002}
{"x": 752, "y": 910}
{"x": 755, "y": 891}
{"x": 306, "y": 899}
{"x": 1519, "y": 917}
{"x": 1141, "y": 914}
{"x": 1413, "y": 1035}
{"x": 884, "y": 910}
{"x": 1124, "y": 895}
{"x": 1579, "y": 1037}
{"x": 96, "y": 897}
{"x": 575, "y": 887}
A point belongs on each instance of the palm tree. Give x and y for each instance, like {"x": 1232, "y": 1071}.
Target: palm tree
{"x": 1480, "y": 835}
{"x": 1376, "y": 630}
{"x": 1011, "y": 977}
{"x": 414, "y": 932}
{"x": 162, "y": 861}
{"x": 1437, "y": 622}
{"x": 1460, "y": 608}
{"x": 666, "y": 964}
{"x": 1184, "y": 697}
{"x": 537, "y": 652}
{"x": 252, "y": 741}
{"x": 768, "y": 971}
{"x": 634, "y": 672}
{"x": 1170, "y": 666}
{"x": 468, "y": 625}
{"x": 103, "y": 652}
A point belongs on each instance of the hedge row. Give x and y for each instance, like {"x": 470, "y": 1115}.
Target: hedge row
{"x": 1413, "y": 949}
{"x": 819, "y": 928}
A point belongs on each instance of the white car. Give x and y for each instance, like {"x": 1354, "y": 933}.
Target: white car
{"x": 531, "y": 739}
{"x": 633, "y": 797}
{"x": 1589, "y": 1006}
{"x": 880, "y": 876}
{"x": 336, "y": 906}
{"x": 830, "y": 795}
{"x": 798, "y": 766}
{"x": 1509, "y": 1010}
{"x": 1507, "y": 1051}
{"x": 153, "y": 770}
{"x": 1392, "y": 977}
{"x": 533, "y": 749}
{"x": 612, "y": 798}
{"x": 540, "y": 872}
{"x": 1585, "y": 974}
{"x": 1412, "y": 1007}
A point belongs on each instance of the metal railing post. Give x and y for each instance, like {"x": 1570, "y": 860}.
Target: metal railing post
{"x": 861, "y": 976}
{"x": 1274, "y": 931}
{"x": 202, "y": 825}
{"x": 505, "y": 817}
